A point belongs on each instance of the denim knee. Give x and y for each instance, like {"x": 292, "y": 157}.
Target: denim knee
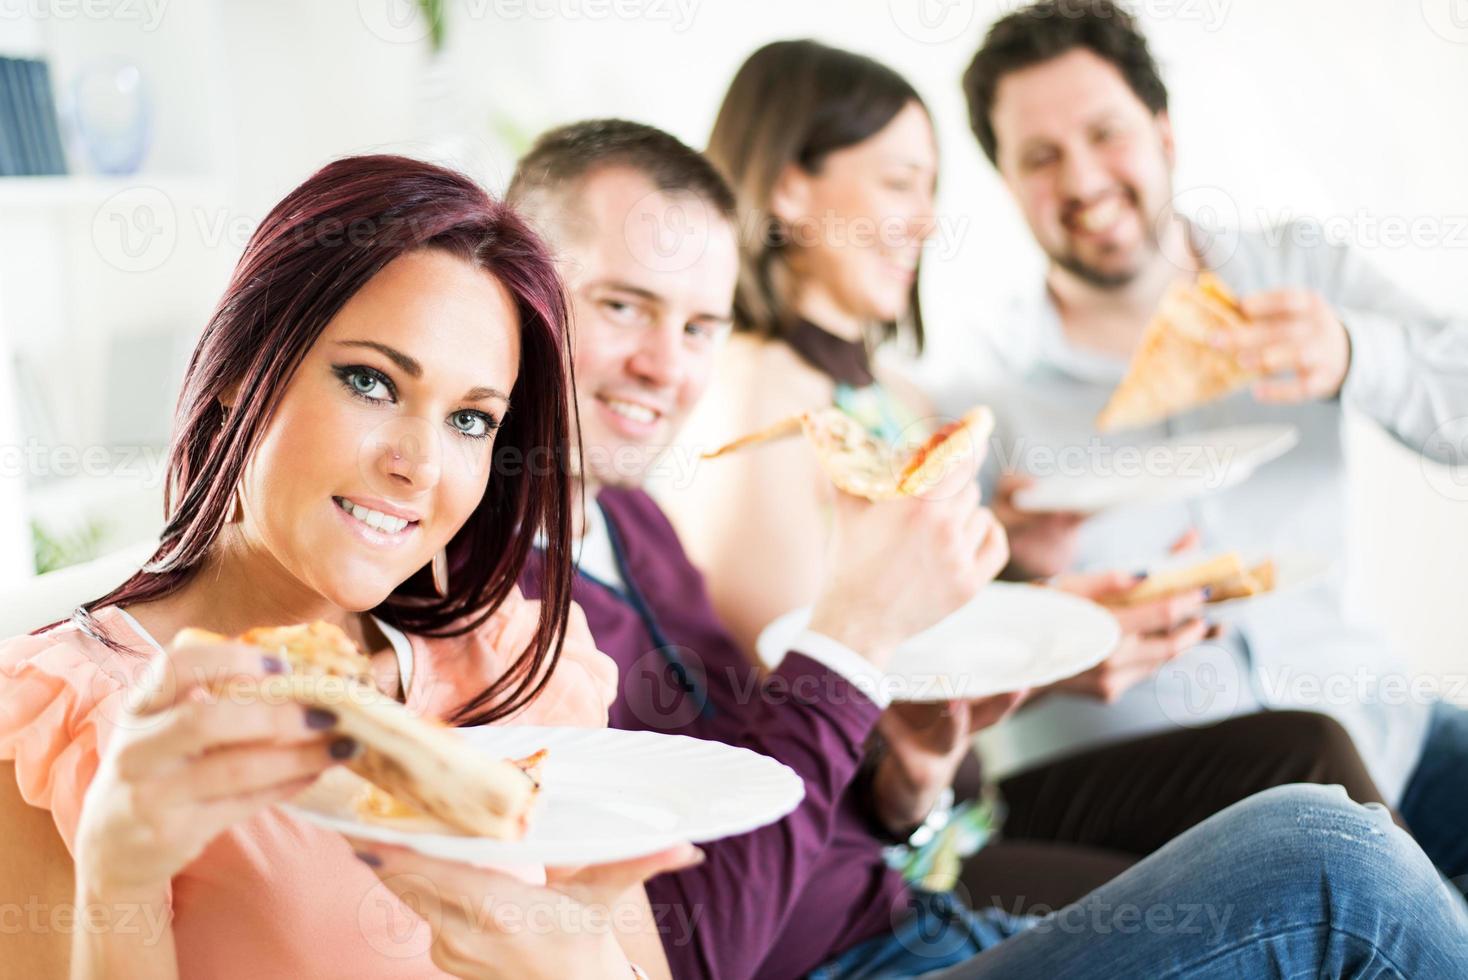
{"x": 1334, "y": 842}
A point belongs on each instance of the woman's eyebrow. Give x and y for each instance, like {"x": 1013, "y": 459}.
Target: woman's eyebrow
{"x": 408, "y": 365}
{"x": 482, "y": 393}
{"x": 413, "y": 369}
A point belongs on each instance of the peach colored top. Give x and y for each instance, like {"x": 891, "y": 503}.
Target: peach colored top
{"x": 274, "y": 896}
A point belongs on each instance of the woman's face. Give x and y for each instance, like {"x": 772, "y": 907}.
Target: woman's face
{"x": 858, "y": 224}
{"x": 379, "y": 450}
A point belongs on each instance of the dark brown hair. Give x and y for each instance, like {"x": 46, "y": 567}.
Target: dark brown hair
{"x": 795, "y": 102}
{"x": 563, "y": 157}
{"x": 1047, "y": 30}
{"x": 312, "y": 252}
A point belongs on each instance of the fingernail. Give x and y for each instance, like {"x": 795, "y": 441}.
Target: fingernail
{"x": 345, "y": 748}
{"x": 1207, "y": 592}
{"x": 273, "y": 665}
{"x": 320, "y": 719}
{"x": 368, "y": 858}
{"x": 1140, "y": 575}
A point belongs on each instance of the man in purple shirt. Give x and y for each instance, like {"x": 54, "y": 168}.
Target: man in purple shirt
{"x": 635, "y": 256}
{"x": 644, "y": 228}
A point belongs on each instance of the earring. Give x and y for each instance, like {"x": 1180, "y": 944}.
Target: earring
{"x": 235, "y": 509}
{"x": 440, "y": 569}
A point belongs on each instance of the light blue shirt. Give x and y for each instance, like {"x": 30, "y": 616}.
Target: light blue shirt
{"x": 1310, "y": 648}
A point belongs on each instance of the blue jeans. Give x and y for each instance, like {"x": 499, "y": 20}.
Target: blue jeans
{"x": 1435, "y": 804}
{"x": 940, "y": 930}
{"x": 1296, "y": 881}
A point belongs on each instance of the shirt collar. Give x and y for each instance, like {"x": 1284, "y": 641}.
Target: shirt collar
{"x": 1213, "y": 247}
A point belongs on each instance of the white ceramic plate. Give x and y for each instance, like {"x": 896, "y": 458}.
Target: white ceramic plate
{"x": 1010, "y": 636}
{"x": 606, "y": 795}
{"x": 1180, "y": 468}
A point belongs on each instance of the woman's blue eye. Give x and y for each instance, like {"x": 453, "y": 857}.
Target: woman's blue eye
{"x": 475, "y": 425}
{"x": 366, "y": 382}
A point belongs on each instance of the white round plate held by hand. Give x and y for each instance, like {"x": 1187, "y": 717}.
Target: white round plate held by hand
{"x": 1009, "y": 637}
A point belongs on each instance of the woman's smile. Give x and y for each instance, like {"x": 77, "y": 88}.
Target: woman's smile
{"x": 374, "y": 526}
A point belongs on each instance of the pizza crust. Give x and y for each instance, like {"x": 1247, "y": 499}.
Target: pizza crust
{"x": 928, "y": 466}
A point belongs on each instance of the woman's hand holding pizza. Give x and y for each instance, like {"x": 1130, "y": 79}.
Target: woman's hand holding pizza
{"x": 189, "y": 759}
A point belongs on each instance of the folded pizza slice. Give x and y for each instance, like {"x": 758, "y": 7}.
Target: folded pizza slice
{"x": 861, "y": 465}
{"x": 1225, "y": 576}
{"x": 420, "y": 763}
{"x": 1174, "y": 367}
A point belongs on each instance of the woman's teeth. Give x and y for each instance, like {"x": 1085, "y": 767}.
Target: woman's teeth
{"x": 629, "y": 410}
{"x": 374, "y": 519}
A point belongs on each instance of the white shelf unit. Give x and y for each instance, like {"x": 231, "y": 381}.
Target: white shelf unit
{"x": 74, "y": 297}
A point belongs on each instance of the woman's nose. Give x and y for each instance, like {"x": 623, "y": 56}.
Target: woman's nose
{"x": 403, "y": 456}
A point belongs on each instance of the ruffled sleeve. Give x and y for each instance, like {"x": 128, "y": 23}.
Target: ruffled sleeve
{"x": 58, "y": 707}
{"x": 580, "y": 690}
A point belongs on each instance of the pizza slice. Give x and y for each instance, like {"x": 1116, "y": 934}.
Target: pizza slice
{"x": 858, "y": 463}
{"x": 850, "y": 455}
{"x": 1174, "y": 367}
{"x": 419, "y": 763}
{"x": 1225, "y": 575}
{"x": 373, "y": 805}
{"x": 930, "y": 463}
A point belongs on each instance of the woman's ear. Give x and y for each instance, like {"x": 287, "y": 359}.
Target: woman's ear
{"x": 790, "y": 197}
{"x": 229, "y": 396}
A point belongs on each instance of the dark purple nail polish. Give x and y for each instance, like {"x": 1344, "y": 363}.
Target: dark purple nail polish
{"x": 1207, "y": 592}
{"x": 1140, "y": 575}
{"x": 273, "y": 665}
{"x": 368, "y": 858}
{"x": 345, "y": 748}
{"x": 320, "y": 719}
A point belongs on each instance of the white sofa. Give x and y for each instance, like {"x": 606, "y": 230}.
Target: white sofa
{"x": 47, "y": 598}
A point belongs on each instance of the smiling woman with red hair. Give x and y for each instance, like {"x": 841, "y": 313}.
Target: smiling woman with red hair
{"x": 372, "y": 432}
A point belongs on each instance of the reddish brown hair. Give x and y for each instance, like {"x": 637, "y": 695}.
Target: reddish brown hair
{"x": 314, "y": 250}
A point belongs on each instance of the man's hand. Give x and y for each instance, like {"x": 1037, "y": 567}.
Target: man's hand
{"x": 1153, "y": 633}
{"x": 926, "y": 743}
{"x": 1294, "y": 337}
{"x": 1041, "y": 544}
{"x": 898, "y": 566}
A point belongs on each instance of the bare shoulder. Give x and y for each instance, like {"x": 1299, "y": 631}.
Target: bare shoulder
{"x": 769, "y": 380}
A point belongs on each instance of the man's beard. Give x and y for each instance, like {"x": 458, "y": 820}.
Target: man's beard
{"x": 1092, "y": 276}
{"x": 1149, "y": 247}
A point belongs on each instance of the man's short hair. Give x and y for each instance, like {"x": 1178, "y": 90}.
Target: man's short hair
{"x": 562, "y": 158}
{"x": 1046, "y": 30}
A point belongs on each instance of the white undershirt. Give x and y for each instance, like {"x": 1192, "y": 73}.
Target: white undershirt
{"x": 594, "y": 553}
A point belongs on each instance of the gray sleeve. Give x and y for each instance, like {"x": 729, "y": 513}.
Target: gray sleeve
{"x": 1409, "y": 364}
